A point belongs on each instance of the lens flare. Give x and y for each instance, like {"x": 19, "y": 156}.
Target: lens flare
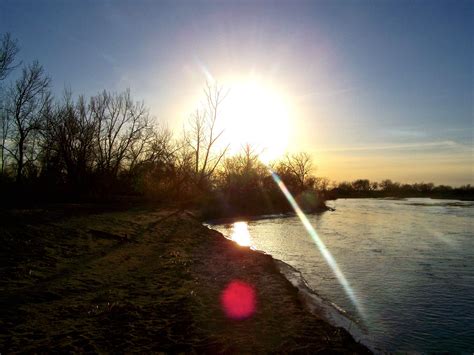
{"x": 238, "y": 300}
{"x": 207, "y": 74}
{"x": 320, "y": 244}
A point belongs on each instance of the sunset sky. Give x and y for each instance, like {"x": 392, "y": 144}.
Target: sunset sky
{"x": 373, "y": 89}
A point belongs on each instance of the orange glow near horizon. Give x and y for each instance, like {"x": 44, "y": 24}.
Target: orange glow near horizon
{"x": 273, "y": 118}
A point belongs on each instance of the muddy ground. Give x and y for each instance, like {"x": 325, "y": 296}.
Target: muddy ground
{"x": 142, "y": 280}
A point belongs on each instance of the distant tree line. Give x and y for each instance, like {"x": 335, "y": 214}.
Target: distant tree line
{"x": 107, "y": 145}
{"x": 388, "y": 188}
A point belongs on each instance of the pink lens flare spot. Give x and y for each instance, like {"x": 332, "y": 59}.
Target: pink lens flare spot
{"x": 238, "y": 300}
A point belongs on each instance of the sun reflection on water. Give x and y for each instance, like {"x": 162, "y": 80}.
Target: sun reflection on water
{"x": 240, "y": 234}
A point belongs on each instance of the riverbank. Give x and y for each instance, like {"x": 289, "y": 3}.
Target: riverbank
{"x": 146, "y": 281}
{"x": 407, "y": 263}
{"x": 222, "y": 216}
{"x": 257, "y": 217}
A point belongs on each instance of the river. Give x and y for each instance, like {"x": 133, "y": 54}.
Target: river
{"x": 408, "y": 262}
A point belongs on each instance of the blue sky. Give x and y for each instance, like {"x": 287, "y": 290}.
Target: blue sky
{"x": 382, "y": 88}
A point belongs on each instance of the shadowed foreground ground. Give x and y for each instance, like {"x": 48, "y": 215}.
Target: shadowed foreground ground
{"x": 143, "y": 281}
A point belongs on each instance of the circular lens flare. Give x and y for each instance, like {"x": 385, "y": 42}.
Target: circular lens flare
{"x": 238, "y": 300}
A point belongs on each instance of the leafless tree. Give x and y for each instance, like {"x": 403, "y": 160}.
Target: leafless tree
{"x": 4, "y": 132}
{"x": 154, "y": 145}
{"x": 162, "y": 148}
{"x": 249, "y": 157}
{"x": 69, "y": 132}
{"x": 202, "y": 135}
{"x": 244, "y": 168}
{"x": 8, "y": 51}
{"x": 322, "y": 184}
{"x": 27, "y": 101}
{"x": 184, "y": 164}
{"x": 120, "y": 122}
{"x": 195, "y": 137}
{"x": 244, "y": 162}
{"x": 140, "y": 150}
{"x": 300, "y": 165}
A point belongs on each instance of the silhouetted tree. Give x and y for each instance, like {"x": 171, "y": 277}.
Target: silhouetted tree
{"x": 26, "y": 102}
{"x": 361, "y": 185}
{"x": 4, "y": 132}
{"x": 202, "y": 136}
{"x": 8, "y": 51}
{"x": 69, "y": 134}
{"x": 152, "y": 168}
{"x": 388, "y": 186}
{"x": 299, "y": 166}
{"x": 120, "y": 123}
{"x": 153, "y": 145}
{"x": 243, "y": 170}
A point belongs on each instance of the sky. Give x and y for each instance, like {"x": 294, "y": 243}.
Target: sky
{"x": 376, "y": 89}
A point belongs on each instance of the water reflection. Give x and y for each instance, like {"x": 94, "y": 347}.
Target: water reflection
{"x": 240, "y": 233}
{"x": 412, "y": 266}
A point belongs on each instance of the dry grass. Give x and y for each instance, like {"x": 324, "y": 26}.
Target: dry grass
{"x": 144, "y": 281}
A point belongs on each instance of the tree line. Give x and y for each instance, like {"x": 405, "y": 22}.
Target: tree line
{"x": 94, "y": 148}
{"x": 73, "y": 148}
{"x": 389, "y": 188}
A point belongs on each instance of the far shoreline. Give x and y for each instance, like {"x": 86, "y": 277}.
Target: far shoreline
{"x": 394, "y": 197}
{"x": 289, "y": 213}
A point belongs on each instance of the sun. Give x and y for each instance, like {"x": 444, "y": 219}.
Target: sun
{"x": 256, "y": 114}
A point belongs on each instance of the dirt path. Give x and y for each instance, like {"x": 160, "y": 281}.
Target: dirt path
{"x": 145, "y": 281}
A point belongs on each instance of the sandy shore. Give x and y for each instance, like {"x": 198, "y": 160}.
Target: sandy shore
{"x": 145, "y": 281}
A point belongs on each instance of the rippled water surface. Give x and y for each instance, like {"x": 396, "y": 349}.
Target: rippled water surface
{"x": 410, "y": 263}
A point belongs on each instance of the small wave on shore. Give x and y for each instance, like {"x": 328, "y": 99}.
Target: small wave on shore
{"x": 323, "y": 308}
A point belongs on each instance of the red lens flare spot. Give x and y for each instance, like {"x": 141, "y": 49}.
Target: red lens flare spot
{"x": 238, "y": 300}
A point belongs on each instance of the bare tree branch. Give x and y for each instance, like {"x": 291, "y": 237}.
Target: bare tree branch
{"x": 8, "y": 51}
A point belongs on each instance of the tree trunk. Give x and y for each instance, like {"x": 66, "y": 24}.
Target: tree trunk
{"x": 19, "y": 168}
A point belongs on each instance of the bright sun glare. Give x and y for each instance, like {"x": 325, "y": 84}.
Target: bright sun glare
{"x": 256, "y": 114}
{"x": 240, "y": 233}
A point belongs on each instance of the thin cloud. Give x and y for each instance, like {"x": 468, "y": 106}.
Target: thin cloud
{"x": 328, "y": 93}
{"x": 424, "y": 145}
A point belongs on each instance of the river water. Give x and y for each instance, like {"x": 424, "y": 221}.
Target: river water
{"x": 409, "y": 263}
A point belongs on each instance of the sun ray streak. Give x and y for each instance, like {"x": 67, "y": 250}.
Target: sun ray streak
{"x": 321, "y": 246}
{"x": 207, "y": 74}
